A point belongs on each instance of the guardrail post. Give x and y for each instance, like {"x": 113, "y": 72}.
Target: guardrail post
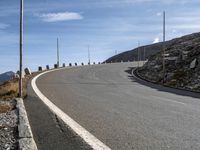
{"x": 47, "y": 67}
{"x": 27, "y": 71}
{"x": 39, "y": 68}
{"x": 55, "y": 66}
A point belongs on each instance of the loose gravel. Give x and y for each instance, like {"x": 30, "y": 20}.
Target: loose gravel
{"x": 8, "y": 127}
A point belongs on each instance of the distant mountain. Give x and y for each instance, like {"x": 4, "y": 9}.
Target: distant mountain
{"x": 6, "y": 76}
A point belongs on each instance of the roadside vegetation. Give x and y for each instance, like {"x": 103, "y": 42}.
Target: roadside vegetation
{"x": 9, "y": 89}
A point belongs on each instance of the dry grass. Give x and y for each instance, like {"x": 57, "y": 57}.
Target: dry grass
{"x": 5, "y": 108}
{"x": 9, "y": 89}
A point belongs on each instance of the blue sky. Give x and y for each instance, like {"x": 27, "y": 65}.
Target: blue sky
{"x": 105, "y": 25}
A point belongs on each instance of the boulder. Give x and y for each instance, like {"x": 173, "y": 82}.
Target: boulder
{"x": 55, "y": 66}
{"x": 47, "y": 67}
{"x": 193, "y": 64}
{"x": 27, "y": 71}
{"x": 16, "y": 76}
{"x": 39, "y": 68}
{"x": 23, "y": 74}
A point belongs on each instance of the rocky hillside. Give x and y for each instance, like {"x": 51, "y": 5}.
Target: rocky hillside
{"x": 132, "y": 55}
{"x": 182, "y": 64}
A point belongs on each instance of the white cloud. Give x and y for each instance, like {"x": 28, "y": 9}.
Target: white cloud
{"x": 4, "y": 26}
{"x": 159, "y": 14}
{"x": 156, "y": 40}
{"x": 61, "y": 16}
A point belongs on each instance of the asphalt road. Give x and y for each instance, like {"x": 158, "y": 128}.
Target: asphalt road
{"x": 124, "y": 112}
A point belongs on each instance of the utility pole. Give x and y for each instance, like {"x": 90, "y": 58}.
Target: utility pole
{"x": 163, "y": 47}
{"x": 21, "y": 47}
{"x": 144, "y": 55}
{"x": 89, "y": 54}
{"x": 115, "y": 52}
{"x": 138, "y": 54}
{"x": 58, "y": 57}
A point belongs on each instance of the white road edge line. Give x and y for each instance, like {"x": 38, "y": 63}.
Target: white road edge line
{"x": 90, "y": 139}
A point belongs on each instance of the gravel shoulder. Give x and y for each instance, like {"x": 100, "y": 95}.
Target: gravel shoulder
{"x": 8, "y": 125}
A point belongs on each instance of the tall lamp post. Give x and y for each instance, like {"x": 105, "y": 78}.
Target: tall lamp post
{"x": 163, "y": 46}
{"x": 89, "y": 54}
{"x": 144, "y": 56}
{"x": 138, "y": 50}
{"x": 58, "y": 57}
{"x": 21, "y": 47}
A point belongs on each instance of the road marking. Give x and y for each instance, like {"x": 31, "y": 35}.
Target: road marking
{"x": 90, "y": 139}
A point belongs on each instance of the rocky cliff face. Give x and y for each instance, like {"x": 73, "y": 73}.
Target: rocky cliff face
{"x": 182, "y": 62}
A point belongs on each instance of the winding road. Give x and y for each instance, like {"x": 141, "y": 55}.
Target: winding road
{"x": 122, "y": 111}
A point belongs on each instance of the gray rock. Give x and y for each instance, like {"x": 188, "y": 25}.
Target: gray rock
{"x": 16, "y": 76}
{"x": 193, "y": 64}
{"x": 55, "y": 66}
{"x": 169, "y": 76}
{"x": 27, "y": 71}
{"x": 47, "y": 67}
{"x": 23, "y": 74}
{"x": 39, "y": 68}
{"x": 8, "y": 127}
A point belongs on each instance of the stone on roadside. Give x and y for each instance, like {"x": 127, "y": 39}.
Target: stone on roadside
{"x": 27, "y": 71}
{"x": 23, "y": 73}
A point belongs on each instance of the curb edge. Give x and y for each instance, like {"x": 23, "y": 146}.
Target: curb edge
{"x": 26, "y": 140}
